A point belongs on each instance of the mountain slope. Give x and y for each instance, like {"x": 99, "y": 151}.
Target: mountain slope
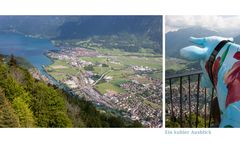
{"x": 131, "y": 32}
{"x": 43, "y": 26}
{"x": 179, "y": 39}
{"x": 70, "y": 27}
{"x": 88, "y": 26}
{"x": 237, "y": 39}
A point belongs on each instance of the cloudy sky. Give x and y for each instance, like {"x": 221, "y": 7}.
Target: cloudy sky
{"x": 227, "y": 25}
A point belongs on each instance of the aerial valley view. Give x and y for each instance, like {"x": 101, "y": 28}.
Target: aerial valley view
{"x": 81, "y": 71}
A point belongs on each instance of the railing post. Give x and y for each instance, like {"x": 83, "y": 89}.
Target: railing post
{"x": 189, "y": 100}
{"x": 205, "y": 107}
{"x": 181, "y": 101}
{"x": 170, "y": 82}
{"x": 210, "y": 115}
{"x": 198, "y": 82}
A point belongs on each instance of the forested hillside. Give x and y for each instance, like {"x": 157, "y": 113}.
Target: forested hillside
{"x": 26, "y": 102}
{"x": 87, "y": 26}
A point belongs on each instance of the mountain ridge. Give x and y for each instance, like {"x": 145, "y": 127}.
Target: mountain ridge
{"x": 178, "y": 39}
{"x": 82, "y": 26}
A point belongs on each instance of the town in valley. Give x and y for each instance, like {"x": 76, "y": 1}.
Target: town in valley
{"x": 127, "y": 82}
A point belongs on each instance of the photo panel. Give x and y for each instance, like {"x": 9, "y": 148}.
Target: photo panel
{"x": 202, "y": 85}
{"x": 81, "y": 71}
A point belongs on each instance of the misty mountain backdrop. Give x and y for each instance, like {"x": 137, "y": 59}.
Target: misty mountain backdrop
{"x": 82, "y": 27}
{"x": 179, "y": 39}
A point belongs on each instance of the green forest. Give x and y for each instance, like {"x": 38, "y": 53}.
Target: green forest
{"x": 26, "y": 102}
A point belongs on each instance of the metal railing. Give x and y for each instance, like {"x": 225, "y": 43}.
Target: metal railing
{"x": 188, "y": 105}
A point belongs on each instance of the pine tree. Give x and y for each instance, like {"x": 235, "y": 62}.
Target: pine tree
{"x": 12, "y": 61}
{"x": 1, "y": 59}
{"x": 7, "y": 116}
{"x": 22, "y": 110}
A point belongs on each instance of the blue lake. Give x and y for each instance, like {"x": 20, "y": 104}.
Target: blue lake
{"x": 32, "y": 49}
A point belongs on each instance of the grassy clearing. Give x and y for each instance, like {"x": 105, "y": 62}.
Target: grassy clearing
{"x": 175, "y": 64}
{"x": 95, "y": 59}
{"x": 60, "y": 68}
{"x": 105, "y": 87}
{"x": 121, "y": 74}
{"x": 156, "y": 75}
{"x": 141, "y": 61}
{"x": 58, "y": 76}
{"x": 118, "y": 82}
{"x": 100, "y": 70}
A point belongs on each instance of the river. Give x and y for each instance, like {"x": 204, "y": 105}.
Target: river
{"x": 32, "y": 49}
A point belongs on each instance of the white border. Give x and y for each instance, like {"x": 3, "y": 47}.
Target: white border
{"x": 79, "y": 7}
{"x": 119, "y": 7}
{"x": 150, "y": 140}
{"x": 163, "y": 72}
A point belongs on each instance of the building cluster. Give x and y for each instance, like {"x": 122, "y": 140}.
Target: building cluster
{"x": 141, "y": 69}
{"x": 135, "y": 102}
{"x": 138, "y": 110}
{"x": 151, "y": 91}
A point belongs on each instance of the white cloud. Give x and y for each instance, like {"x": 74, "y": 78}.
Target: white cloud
{"x": 229, "y": 25}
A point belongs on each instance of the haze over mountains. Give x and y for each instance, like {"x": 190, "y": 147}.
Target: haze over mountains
{"x": 43, "y": 26}
{"x": 180, "y": 38}
{"x": 80, "y": 27}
